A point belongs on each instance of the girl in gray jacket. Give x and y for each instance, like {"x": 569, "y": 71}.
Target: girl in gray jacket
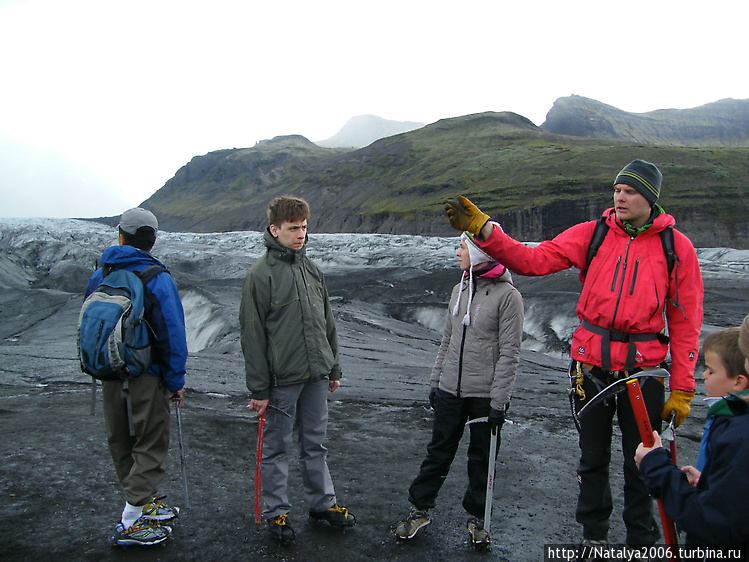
{"x": 472, "y": 377}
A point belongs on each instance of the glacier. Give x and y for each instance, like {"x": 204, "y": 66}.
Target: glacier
{"x": 378, "y": 279}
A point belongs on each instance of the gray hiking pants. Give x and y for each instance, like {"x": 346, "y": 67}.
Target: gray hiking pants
{"x": 304, "y": 407}
{"x": 140, "y": 461}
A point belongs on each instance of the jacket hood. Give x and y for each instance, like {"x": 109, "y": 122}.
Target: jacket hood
{"x": 125, "y": 256}
{"x": 281, "y": 252}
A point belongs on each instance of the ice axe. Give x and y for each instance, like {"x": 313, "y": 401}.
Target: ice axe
{"x": 632, "y": 385}
{"x": 258, "y": 472}
{"x": 669, "y": 434}
{"x": 490, "y": 476}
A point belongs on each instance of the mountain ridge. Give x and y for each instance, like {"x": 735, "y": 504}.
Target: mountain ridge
{"x": 535, "y": 182}
{"x": 721, "y": 123}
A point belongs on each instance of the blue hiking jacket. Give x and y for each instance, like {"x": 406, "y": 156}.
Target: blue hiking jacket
{"x": 166, "y": 316}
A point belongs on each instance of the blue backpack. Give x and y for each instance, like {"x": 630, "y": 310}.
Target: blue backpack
{"x": 114, "y": 338}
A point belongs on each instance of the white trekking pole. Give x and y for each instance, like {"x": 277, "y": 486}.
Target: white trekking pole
{"x": 493, "y": 437}
{"x": 182, "y": 454}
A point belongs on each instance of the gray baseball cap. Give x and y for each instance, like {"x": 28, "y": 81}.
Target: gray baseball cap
{"x": 132, "y": 219}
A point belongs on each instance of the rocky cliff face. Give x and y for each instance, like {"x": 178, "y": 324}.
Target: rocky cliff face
{"x": 722, "y": 123}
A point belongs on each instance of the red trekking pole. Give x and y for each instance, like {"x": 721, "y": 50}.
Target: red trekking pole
{"x": 646, "y": 434}
{"x": 258, "y": 471}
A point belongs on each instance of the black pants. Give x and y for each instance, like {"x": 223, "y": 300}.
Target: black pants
{"x": 450, "y": 416}
{"x": 594, "y": 504}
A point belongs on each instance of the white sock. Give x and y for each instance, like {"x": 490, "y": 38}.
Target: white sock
{"x": 130, "y": 514}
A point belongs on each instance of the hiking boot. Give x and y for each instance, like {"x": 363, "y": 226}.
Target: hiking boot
{"x": 479, "y": 537}
{"x": 408, "y": 528}
{"x": 337, "y": 516}
{"x": 143, "y": 532}
{"x": 280, "y": 529}
{"x": 157, "y": 511}
{"x": 593, "y": 550}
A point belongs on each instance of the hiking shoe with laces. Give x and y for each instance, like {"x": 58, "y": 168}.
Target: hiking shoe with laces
{"x": 337, "y": 516}
{"x": 158, "y": 511}
{"x": 143, "y": 532}
{"x": 280, "y": 529}
{"x": 417, "y": 519}
{"x": 593, "y": 550}
{"x": 479, "y": 537}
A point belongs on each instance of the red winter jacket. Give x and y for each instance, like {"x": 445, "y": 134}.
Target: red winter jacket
{"x": 625, "y": 289}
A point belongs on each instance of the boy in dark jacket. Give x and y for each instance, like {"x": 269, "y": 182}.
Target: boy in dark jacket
{"x": 290, "y": 347}
{"x": 140, "y": 459}
{"x": 709, "y": 501}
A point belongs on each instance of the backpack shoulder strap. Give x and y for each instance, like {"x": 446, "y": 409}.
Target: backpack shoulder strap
{"x": 149, "y": 273}
{"x": 146, "y": 275}
{"x": 601, "y": 229}
{"x": 667, "y": 241}
{"x": 599, "y": 233}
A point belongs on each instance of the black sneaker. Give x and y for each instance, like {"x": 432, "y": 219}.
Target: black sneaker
{"x": 417, "y": 519}
{"x": 280, "y": 529}
{"x": 479, "y": 537}
{"x": 337, "y": 516}
{"x": 593, "y": 550}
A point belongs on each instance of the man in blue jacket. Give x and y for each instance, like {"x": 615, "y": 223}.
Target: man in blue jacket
{"x": 140, "y": 459}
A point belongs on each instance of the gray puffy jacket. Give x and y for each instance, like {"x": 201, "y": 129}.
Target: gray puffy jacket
{"x": 480, "y": 360}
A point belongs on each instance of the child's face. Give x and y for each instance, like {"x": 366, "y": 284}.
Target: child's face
{"x": 717, "y": 380}
{"x": 464, "y": 258}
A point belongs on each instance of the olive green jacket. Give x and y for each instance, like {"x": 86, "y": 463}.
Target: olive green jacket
{"x": 288, "y": 333}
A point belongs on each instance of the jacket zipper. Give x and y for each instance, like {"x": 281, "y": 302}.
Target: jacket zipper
{"x": 621, "y": 283}
{"x": 616, "y": 274}
{"x": 462, "y": 345}
{"x": 634, "y": 278}
{"x": 460, "y": 360}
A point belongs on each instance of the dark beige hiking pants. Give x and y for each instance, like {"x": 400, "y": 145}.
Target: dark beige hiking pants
{"x": 140, "y": 461}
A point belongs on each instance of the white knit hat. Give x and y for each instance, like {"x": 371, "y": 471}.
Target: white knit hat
{"x": 476, "y": 256}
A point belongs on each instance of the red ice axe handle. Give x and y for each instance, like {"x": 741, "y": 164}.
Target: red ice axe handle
{"x": 646, "y": 434}
{"x": 258, "y": 472}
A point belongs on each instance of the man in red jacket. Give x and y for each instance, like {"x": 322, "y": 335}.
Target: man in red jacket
{"x": 626, "y": 295}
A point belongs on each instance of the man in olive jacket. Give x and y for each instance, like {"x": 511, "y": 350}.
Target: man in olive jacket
{"x": 290, "y": 347}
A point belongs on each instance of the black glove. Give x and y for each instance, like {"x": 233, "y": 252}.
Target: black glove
{"x": 432, "y": 396}
{"x": 464, "y": 215}
{"x": 496, "y": 419}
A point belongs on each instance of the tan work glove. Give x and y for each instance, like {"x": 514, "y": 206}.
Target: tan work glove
{"x": 464, "y": 215}
{"x": 679, "y": 403}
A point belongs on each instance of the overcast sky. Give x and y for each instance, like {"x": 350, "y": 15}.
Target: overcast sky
{"x": 101, "y": 102}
